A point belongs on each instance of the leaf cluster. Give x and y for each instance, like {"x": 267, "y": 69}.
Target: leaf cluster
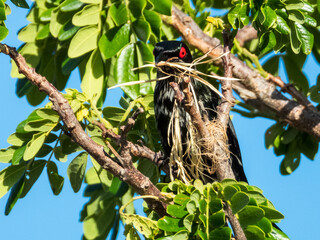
{"x": 279, "y": 23}
{"x": 198, "y": 212}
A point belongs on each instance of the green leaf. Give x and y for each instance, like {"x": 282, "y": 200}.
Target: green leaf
{"x": 18, "y": 155}
{"x": 66, "y": 32}
{"x": 267, "y": 42}
{"x": 46, "y": 15}
{"x": 136, "y": 7}
{"x": 93, "y": 80}
{"x": 182, "y": 235}
{"x": 229, "y": 191}
{"x": 118, "y": 13}
{"x": 217, "y": 220}
{"x": 3, "y": 32}
{"x": 70, "y": 5}
{"x": 148, "y": 169}
{"x": 14, "y": 195}
{"x": 278, "y": 234}
{"x": 162, "y": 7}
{"x": 89, "y": 15}
{"x": 32, "y": 175}
{"x": 43, "y": 33}
{"x": 84, "y": 41}
{"x": 142, "y": 29}
{"x": 181, "y": 199}
{"x": 69, "y": 64}
{"x": 104, "y": 176}
{"x": 310, "y": 21}
{"x": 20, "y": 3}
{"x": 308, "y": 146}
{"x": 59, "y": 155}
{"x": 239, "y": 201}
{"x": 44, "y": 125}
{"x": 23, "y": 87}
{"x": 220, "y": 234}
{"x": 144, "y": 225}
{"x": 215, "y": 205}
{"x": 187, "y": 222}
{"x": 282, "y": 26}
{"x": 170, "y": 224}
{"x": 6, "y": 154}
{"x": 18, "y": 139}
{"x": 270, "y": 17}
{"x": 272, "y": 214}
{"x": 123, "y": 71}
{"x": 44, "y": 151}
{"x": 28, "y": 33}
{"x": 76, "y": 170}
{"x": 34, "y": 146}
{"x": 250, "y": 215}
{"x": 271, "y": 134}
{"x": 101, "y": 222}
{"x": 155, "y": 22}
{"x": 48, "y": 113}
{"x": 295, "y": 74}
{"x": 296, "y": 16}
{"x": 9, "y": 176}
{"x": 265, "y": 225}
{"x": 233, "y": 16}
{"x": 305, "y": 37}
{"x": 272, "y": 65}
{"x": 58, "y": 20}
{"x": 56, "y": 181}
{"x": 68, "y": 146}
{"x": 114, "y": 40}
{"x": 294, "y": 40}
{"x": 254, "y": 233}
{"x": 2, "y": 11}
{"x": 191, "y": 206}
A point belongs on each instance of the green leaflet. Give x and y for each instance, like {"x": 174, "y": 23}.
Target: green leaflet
{"x": 56, "y": 181}
{"x": 123, "y": 71}
{"x": 89, "y": 15}
{"x": 9, "y": 176}
{"x": 76, "y": 170}
{"x": 93, "y": 80}
{"x": 34, "y": 145}
{"x": 84, "y": 41}
{"x": 114, "y": 40}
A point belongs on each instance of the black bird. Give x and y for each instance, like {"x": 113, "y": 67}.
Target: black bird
{"x": 164, "y": 101}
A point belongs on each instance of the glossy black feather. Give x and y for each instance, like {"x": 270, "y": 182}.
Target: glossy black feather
{"x": 164, "y": 100}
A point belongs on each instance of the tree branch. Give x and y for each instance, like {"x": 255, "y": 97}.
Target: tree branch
{"x": 266, "y": 96}
{"x": 224, "y": 169}
{"x": 140, "y": 183}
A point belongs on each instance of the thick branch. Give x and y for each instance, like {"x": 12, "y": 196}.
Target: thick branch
{"x": 245, "y": 34}
{"x": 132, "y": 176}
{"x": 266, "y": 94}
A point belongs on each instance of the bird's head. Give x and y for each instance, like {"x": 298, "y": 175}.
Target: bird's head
{"x": 173, "y": 51}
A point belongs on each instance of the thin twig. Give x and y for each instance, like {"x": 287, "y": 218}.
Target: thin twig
{"x": 290, "y": 88}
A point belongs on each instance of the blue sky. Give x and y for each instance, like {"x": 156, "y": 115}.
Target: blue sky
{"x": 41, "y": 215}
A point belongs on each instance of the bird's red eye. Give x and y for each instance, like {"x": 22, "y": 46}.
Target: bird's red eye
{"x": 182, "y": 52}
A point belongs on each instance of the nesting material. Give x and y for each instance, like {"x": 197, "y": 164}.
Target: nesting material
{"x": 197, "y": 158}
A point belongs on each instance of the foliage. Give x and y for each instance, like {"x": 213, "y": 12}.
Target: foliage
{"x": 105, "y": 40}
{"x": 198, "y": 212}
